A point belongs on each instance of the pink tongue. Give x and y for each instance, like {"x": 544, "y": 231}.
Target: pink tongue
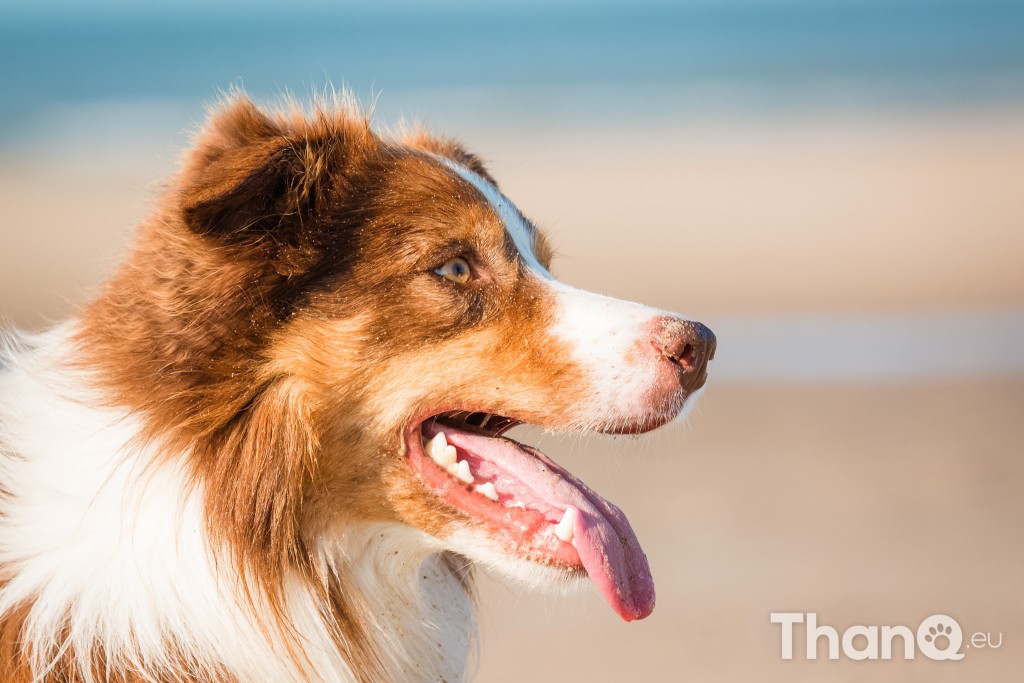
{"x": 606, "y": 544}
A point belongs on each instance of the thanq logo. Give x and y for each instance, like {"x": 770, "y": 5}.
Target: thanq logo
{"x": 938, "y": 637}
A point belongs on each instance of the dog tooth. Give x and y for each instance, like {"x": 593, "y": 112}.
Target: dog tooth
{"x": 463, "y": 473}
{"x": 435, "y": 449}
{"x": 517, "y": 504}
{"x": 566, "y": 528}
{"x": 448, "y": 456}
{"x": 487, "y": 489}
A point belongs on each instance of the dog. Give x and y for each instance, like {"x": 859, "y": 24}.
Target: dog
{"x": 270, "y": 448}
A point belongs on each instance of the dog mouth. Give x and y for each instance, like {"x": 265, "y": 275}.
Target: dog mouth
{"x": 534, "y": 508}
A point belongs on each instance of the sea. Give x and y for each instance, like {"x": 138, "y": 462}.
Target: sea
{"x": 523, "y": 61}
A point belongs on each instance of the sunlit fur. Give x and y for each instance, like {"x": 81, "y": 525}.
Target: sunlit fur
{"x": 203, "y": 474}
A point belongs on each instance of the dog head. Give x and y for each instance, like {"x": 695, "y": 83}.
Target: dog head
{"x": 347, "y": 324}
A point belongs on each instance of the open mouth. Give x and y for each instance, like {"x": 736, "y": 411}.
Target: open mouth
{"x": 534, "y": 508}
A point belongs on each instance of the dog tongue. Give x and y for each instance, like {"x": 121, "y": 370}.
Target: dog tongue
{"x": 607, "y": 546}
{"x": 604, "y": 540}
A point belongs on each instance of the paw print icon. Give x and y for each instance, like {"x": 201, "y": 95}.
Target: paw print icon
{"x": 939, "y": 631}
{"x": 939, "y": 637}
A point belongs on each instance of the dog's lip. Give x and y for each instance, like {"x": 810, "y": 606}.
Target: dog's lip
{"x": 634, "y": 427}
{"x": 451, "y": 417}
{"x": 604, "y": 544}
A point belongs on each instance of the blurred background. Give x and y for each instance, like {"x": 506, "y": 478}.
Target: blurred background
{"x": 836, "y": 188}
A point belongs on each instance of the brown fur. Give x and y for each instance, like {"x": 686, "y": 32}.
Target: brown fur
{"x": 279, "y": 322}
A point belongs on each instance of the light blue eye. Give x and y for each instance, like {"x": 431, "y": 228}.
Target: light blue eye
{"x": 456, "y": 270}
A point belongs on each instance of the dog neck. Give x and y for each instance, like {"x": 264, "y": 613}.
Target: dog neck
{"x": 112, "y": 568}
{"x": 418, "y": 599}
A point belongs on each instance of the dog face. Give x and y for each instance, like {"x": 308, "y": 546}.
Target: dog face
{"x": 381, "y": 314}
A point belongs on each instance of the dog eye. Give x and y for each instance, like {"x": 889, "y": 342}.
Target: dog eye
{"x": 456, "y": 270}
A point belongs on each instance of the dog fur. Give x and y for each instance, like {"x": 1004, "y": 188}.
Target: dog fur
{"x": 204, "y": 476}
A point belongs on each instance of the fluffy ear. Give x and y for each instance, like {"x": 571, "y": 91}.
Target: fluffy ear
{"x": 246, "y": 180}
{"x": 449, "y": 148}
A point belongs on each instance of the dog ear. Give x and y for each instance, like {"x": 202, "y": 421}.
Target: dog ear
{"x": 472, "y": 162}
{"x": 247, "y": 180}
{"x": 447, "y": 147}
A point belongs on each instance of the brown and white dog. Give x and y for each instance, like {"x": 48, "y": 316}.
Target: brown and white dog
{"x": 270, "y": 449}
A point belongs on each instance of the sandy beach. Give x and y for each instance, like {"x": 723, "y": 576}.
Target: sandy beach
{"x": 874, "y": 503}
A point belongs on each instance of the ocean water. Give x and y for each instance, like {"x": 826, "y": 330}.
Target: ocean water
{"x": 592, "y": 60}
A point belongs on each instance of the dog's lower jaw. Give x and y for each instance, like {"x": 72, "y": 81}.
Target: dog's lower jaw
{"x": 106, "y": 564}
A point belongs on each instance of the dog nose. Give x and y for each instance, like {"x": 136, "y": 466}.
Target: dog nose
{"x": 690, "y": 346}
